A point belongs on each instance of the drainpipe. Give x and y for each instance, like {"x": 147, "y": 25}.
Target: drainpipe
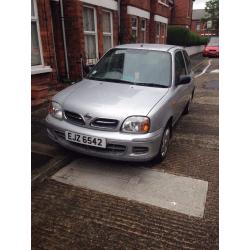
{"x": 119, "y": 20}
{"x": 64, "y": 39}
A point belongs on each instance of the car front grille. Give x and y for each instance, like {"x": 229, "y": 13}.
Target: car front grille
{"x": 105, "y": 123}
{"x": 140, "y": 150}
{"x": 74, "y": 118}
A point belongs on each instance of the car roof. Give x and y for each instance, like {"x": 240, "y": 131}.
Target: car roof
{"x": 149, "y": 46}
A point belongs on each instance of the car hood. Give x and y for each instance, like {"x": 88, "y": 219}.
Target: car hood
{"x": 212, "y": 48}
{"x": 109, "y": 100}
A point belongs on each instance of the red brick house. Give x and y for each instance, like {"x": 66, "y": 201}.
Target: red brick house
{"x": 144, "y": 21}
{"x": 197, "y": 25}
{"x": 67, "y": 35}
{"x": 201, "y": 28}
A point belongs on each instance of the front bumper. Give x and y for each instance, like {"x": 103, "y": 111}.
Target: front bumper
{"x": 120, "y": 146}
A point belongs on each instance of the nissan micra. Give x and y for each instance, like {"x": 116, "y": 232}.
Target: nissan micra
{"x": 127, "y": 106}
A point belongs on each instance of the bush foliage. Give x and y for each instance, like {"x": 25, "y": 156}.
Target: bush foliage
{"x": 181, "y": 36}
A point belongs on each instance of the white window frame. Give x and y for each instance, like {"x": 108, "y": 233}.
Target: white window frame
{"x": 110, "y": 34}
{"x": 163, "y": 2}
{"x": 35, "y": 19}
{"x": 41, "y": 68}
{"x": 133, "y": 11}
{"x": 158, "y": 34}
{"x": 92, "y": 61}
{"x": 144, "y": 29}
{"x": 108, "y": 4}
{"x": 135, "y": 28}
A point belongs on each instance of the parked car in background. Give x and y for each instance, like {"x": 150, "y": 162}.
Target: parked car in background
{"x": 212, "y": 48}
{"x": 127, "y": 106}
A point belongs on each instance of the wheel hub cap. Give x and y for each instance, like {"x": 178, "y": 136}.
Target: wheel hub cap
{"x": 165, "y": 142}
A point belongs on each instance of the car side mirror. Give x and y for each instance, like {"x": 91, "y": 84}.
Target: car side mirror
{"x": 184, "y": 79}
{"x": 88, "y": 68}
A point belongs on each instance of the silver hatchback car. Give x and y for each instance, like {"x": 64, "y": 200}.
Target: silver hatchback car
{"x": 127, "y": 105}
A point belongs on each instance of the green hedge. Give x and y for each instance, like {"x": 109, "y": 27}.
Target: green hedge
{"x": 178, "y": 35}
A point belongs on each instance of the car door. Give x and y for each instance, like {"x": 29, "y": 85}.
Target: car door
{"x": 187, "y": 88}
{"x": 179, "y": 90}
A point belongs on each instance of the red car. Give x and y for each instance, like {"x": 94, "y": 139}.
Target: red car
{"x": 212, "y": 48}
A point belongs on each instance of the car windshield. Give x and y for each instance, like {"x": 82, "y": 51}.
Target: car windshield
{"x": 214, "y": 41}
{"x": 134, "y": 66}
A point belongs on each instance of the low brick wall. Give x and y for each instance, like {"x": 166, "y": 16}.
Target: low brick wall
{"x": 194, "y": 49}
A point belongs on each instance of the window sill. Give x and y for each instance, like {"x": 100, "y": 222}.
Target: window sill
{"x": 40, "y": 69}
{"x": 164, "y": 4}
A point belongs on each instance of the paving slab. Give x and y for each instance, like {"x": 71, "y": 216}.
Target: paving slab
{"x": 177, "y": 193}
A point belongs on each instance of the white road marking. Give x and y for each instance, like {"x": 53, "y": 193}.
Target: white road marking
{"x": 177, "y": 193}
{"x": 204, "y": 70}
{"x": 215, "y": 71}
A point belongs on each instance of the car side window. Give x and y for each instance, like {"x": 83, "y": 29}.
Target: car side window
{"x": 180, "y": 68}
{"x": 187, "y": 60}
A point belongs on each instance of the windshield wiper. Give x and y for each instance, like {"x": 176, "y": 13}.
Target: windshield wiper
{"x": 129, "y": 82}
{"x": 151, "y": 84}
{"x": 109, "y": 80}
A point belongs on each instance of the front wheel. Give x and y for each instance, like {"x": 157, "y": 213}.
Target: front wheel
{"x": 164, "y": 145}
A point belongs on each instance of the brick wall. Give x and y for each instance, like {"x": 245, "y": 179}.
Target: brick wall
{"x": 203, "y": 30}
{"x": 155, "y": 8}
{"x": 58, "y": 38}
{"x": 141, "y": 4}
{"x": 73, "y": 19}
{"x": 161, "y": 10}
{"x": 194, "y": 25}
{"x": 182, "y": 13}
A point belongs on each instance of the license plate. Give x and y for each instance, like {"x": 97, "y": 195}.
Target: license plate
{"x": 85, "y": 139}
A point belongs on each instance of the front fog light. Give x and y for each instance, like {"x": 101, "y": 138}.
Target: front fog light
{"x": 55, "y": 109}
{"x": 136, "y": 124}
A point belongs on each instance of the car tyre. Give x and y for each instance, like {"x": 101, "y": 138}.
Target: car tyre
{"x": 165, "y": 141}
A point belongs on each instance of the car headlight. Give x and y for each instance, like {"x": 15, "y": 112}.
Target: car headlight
{"x": 136, "y": 124}
{"x": 55, "y": 109}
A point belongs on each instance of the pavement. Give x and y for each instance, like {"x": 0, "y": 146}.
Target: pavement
{"x": 66, "y": 215}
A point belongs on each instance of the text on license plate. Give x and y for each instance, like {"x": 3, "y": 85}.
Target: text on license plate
{"x": 85, "y": 139}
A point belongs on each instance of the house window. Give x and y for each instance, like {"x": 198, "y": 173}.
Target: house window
{"x": 107, "y": 27}
{"x": 143, "y": 30}
{"x": 161, "y": 31}
{"x": 198, "y": 27}
{"x": 158, "y": 32}
{"x": 36, "y": 49}
{"x": 134, "y": 28}
{"x": 90, "y": 34}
